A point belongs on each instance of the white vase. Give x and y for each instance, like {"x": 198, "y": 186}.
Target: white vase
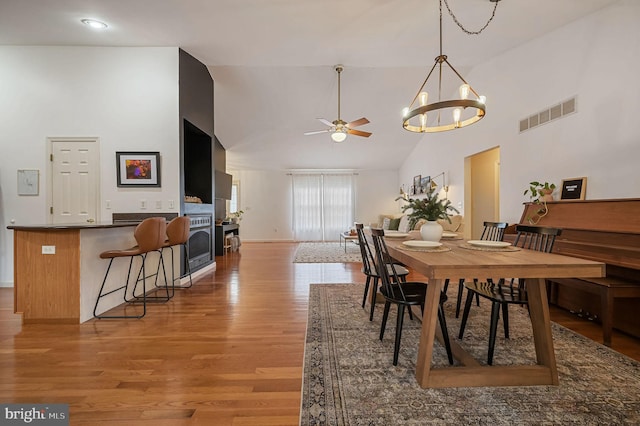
{"x": 431, "y": 230}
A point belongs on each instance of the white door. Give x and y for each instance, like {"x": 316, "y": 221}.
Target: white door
{"x": 74, "y": 173}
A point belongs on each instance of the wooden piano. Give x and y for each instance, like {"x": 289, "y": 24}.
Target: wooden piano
{"x": 607, "y": 231}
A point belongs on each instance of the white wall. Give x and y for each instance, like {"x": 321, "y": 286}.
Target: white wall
{"x": 596, "y": 58}
{"x": 127, "y": 97}
{"x": 265, "y": 197}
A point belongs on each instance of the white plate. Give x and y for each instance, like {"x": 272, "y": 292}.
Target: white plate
{"x": 446, "y": 234}
{"x": 423, "y": 244}
{"x": 392, "y": 234}
{"x": 494, "y": 244}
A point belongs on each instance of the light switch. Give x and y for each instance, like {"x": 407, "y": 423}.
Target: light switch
{"x": 48, "y": 249}
{"x": 158, "y": 204}
{"x": 143, "y": 204}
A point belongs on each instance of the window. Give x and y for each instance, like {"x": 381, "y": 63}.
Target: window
{"x": 234, "y": 204}
{"x": 323, "y": 206}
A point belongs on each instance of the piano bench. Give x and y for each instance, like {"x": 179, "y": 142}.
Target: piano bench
{"x": 608, "y": 288}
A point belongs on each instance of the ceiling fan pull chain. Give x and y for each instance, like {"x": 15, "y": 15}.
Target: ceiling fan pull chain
{"x": 468, "y": 31}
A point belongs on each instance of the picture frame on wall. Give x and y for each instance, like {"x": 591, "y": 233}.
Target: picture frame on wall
{"x": 574, "y": 188}
{"x": 425, "y": 182}
{"x": 138, "y": 169}
{"x": 416, "y": 184}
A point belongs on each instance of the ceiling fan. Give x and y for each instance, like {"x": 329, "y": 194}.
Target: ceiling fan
{"x": 339, "y": 128}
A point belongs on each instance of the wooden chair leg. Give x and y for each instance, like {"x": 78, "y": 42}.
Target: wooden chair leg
{"x": 396, "y": 346}
{"x": 465, "y": 313}
{"x": 505, "y": 319}
{"x": 374, "y": 294}
{"x": 366, "y": 290}
{"x": 495, "y": 314}
{"x": 445, "y": 333}
{"x": 385, "y": 314}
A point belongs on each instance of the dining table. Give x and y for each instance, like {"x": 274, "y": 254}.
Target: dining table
{"x": 455, "y": 259}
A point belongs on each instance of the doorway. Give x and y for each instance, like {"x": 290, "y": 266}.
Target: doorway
{"x": 74, "y": 176}
{"x": 482, "y": 190}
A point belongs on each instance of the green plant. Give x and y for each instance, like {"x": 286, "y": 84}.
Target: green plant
{"x": 237, "y": 215}
{"x": 428, "y": 208}
{"x": 537, "y": 192}
{"x": 538, "y": 189}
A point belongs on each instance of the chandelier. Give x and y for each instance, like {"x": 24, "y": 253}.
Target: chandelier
{"x": 442, "y": 115}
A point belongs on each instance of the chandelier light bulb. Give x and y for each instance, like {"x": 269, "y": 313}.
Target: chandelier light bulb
{"x": 483, "y": 99}
{"x": 464, "y": 91}
{"x": 457, "y": 112}
{"x": 405, "y": 111}
{"x": 424, "y": 96}
{"x": 423, "y": 121}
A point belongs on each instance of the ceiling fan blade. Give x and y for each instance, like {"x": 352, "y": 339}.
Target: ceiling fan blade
{"x": 316, "y": 132}
{"x": 327, "y": 122}
{"x": 358, "y": 122}
{"x": 358, "y": 133}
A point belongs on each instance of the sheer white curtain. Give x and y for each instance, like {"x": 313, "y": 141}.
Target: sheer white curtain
{"x": 323, "y": 206}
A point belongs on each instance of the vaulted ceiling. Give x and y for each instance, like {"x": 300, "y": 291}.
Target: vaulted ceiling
{"x": 273, "y": 61}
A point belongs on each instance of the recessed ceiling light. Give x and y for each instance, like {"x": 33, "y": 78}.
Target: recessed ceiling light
{"x": 94, "y": 24}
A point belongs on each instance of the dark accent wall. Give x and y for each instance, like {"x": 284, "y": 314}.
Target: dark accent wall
{"x": 197, "y": 154}
{"x": 196, "y": 118}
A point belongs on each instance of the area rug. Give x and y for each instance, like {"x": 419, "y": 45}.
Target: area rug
{"x": 349, "y": 378}
{"x": 327, "y": 253}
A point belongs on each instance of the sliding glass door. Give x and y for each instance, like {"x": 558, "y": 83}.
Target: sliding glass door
{"x": 323, "y": 206}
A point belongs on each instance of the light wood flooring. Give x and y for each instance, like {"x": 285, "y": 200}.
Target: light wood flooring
{"x": 228, "y": 351}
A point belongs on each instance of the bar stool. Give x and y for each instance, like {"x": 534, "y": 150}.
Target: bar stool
{"x": 178, "y": 234}
{"x": 150, "y": 235}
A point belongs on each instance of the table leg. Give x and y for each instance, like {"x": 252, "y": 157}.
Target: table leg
{"x": 541, "y": 324}
{"x": 428, "y": 332}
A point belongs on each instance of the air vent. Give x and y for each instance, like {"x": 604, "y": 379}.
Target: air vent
{"x": 552, "y": 113}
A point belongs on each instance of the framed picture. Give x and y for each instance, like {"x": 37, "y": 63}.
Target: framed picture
{"x": 28, "y": 182}
{"x": 573, "y": 189}
{"x": 416, "y": 184}
{"x": 425, "y": 182}
{"x": 138, "y": 169}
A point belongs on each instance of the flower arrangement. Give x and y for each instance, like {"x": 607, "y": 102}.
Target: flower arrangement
{"x": 429, "y": 208}
{"x": 236, "y": 216}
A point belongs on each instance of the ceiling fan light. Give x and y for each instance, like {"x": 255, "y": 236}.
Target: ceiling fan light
{"x": 339, "y": 136}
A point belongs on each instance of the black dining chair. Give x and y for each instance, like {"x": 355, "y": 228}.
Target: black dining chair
{"x": 403, "y": 294}
{"x": 369, "y": 269}
{"x": 492, "y": 231}
{"x": 508, "y": 291}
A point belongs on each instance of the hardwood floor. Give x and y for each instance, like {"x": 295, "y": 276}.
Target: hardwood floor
{"x": 228, "y": 351}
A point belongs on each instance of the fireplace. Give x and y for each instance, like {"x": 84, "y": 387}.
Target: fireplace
{"x": 199, "y": 245}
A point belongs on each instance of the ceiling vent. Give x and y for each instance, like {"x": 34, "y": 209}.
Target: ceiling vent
{"x": 550, "y": 114}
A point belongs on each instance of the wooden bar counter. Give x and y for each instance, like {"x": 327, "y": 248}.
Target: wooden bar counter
{"x": 58, "y": 271}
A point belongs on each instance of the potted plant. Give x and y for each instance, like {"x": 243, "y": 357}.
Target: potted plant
{"x": 429, "y": 208}
{"x": 539, "y": 193}
{"x": 236, "y": 216}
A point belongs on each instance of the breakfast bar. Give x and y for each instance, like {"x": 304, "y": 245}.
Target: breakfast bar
{"x": 58, "y": 271}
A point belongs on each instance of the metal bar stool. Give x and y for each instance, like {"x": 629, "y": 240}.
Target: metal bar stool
{"x": 178, "y": 235}
{"x": 150, "y": 236}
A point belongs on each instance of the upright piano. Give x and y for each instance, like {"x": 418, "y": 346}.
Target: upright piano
{"x": 607, "y": 231}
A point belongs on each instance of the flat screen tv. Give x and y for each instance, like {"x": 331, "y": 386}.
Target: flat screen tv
{"x": 223, "y": 185}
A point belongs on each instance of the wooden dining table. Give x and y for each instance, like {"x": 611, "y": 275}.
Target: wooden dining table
{"x": 457, "y": 259}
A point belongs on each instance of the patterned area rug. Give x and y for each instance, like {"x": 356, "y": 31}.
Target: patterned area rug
{"x": 349, "y": 378}
{"x": 327, "y": 253}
